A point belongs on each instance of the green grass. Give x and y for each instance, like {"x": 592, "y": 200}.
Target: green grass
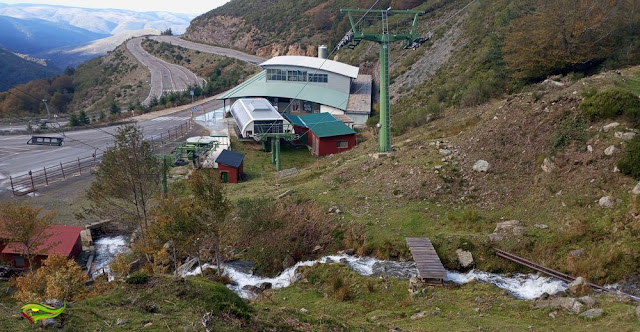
{"x": 389, "y": 305}
{"x": 164, "y": 301}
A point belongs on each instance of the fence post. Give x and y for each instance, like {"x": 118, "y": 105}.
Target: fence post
{"x": 13, "y": 191}
{"x": 79, "y": 166}
{"x": 46, "y": 180}
{"x": 62, "y": 169}
{"x": 32, "y": 185}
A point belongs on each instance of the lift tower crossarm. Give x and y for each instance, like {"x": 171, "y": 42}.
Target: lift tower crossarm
{"x": 384, "y": 39}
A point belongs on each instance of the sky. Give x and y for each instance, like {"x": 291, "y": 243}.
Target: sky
{"x": 190, "y": 6}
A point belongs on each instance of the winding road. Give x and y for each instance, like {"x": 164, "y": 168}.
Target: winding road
{"x": 165, "y": 77}
{"x": 252, "y": 59}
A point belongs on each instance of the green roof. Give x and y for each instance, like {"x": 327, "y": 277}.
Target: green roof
{"x": 257, "y": 86}
{"x": 321, "y": 124}
{"x": 330, "y": 129}
{"x": 307, "y": 120}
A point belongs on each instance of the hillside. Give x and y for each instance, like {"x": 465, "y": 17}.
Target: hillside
{"x": 16, "y": 70}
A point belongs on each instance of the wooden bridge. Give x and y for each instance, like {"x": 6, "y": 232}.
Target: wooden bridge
{"x": 428, "y": 263}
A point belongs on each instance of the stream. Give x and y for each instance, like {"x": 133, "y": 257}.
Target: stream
{"x": 523, "y": 286}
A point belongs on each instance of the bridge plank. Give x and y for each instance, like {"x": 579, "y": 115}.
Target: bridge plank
{"x": 427, "y": 260}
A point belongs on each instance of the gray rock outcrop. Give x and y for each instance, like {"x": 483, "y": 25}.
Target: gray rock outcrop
{"x": 465, "y": 259}
{"x": 547, "y": 165}
{"x": 481, "y": 166}
{"x": 579, "y": 287}
{"x": 507, "y": 228}
{"x": 592, "y": 313}
{"x": 606, "y": 202}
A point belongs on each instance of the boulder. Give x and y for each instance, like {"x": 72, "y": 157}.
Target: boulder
{"x": 121, "y": 321}
{"x": 610, "y": 150}
{"x": 606, "y": 202}
{"x": 610, "y": 126}
{"x": 579, "y": 287}
{"x": 577, "y": 252}
{"x": 570, "y": 304}
{"x": 465, "y": 259}
{"x": 507, "y": 228}
{"x": 481, "y": 166}
{"x": 547, "y": 165}
{"x": 588, "y": 301}
{"x": 418, "y": 315}
{"x": 186, "y": 267}
{"x": 626, "y": 136}
{"x": 590, "y": 148}
{"x": 304, "y": 311}
{"x": 592, "y": 313}
{"x": 636, "y": 189}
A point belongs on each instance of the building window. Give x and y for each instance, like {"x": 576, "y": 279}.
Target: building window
{"x": 297, "y": 75}
{"x": 320, "y": 78}
{"x": 342, "y": 144}
{"x": 19, "y": 261}
{"x": 276, "y": 75}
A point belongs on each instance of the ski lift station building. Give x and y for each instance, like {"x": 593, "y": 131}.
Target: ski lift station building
{"x": 257, "y": 115}
{"x": 302, "y": 85}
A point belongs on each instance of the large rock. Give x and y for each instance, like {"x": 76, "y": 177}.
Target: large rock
{"x": 547, "y": 165}
{"x": 610, "y": 126}
{"x": 606, "y": 202}
{"x": 481, "y": 166}
{"x": 507, "y": 228}
{"x": 588, "y": 301}
{"x": 579, "y": 287}
{"x": 610, "y": 150}
{"x": 592, "y": 313}
{"x": 567, "y": 303}
{"x": 636, "y": 189}
{"x": 465, "y": 258}
{"x": 626, "y": 136}
{"x": 418, "y": 315}
{"x": 187, "y": 267}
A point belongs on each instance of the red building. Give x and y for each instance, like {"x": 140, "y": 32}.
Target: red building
{"x": 62, "y": 240}
{"x": 230, "y": 166}
{"x": 323, "y": 133}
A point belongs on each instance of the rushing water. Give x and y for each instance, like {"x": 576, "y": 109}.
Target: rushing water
{"x": 107, "y": 248}
{"x": 524, "y": 286}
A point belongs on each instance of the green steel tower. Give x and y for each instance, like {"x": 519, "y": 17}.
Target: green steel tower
{"x": 413, "y": 40}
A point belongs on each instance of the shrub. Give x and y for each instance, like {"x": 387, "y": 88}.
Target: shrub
{"x": 60, "y": 278}
{"x": 629, "y": 164}
{"x": 569, "y": 130}
{"x": 612, "y": 103}
{"x": 138, "y": 278}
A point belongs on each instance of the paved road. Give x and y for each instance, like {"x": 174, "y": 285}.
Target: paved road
{"x": 17, "y": 158}
{"x": 252, "y": 59}
{"x": 165, "y": 77}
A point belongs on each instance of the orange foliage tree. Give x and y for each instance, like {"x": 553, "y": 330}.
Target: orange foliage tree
{"x": 60, "y": 278}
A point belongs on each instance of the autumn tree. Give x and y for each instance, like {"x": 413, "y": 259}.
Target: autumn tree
{"x": 126, "y": 180}
{"x": 176, "y": 221}
{"x": 555, "y": 36}
{"x": 212, "y": 205}
{"x": 25, "y": 229}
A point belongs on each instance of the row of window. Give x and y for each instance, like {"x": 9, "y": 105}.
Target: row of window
{"x": 295, "y": 76}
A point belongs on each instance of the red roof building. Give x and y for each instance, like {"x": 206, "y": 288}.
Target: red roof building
{"x": 63, "y": 240}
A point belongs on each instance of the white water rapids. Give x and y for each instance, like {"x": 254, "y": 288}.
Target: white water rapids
{"x": 524, "y": 286}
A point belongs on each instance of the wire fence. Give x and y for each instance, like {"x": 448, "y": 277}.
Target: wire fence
{"x": 28, "y": 183}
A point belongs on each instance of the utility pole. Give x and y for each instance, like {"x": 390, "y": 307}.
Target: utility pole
{"x": 412, "y": 39}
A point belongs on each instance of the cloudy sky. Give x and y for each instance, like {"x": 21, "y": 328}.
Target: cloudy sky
{"x": 190, "y": 6}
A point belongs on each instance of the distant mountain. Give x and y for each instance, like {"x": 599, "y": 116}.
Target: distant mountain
{"x": 101, "y": 21}
{"x": 16, "y": 70}
{"x": 73, "y": 56}
{"x": 33, "y": 36}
